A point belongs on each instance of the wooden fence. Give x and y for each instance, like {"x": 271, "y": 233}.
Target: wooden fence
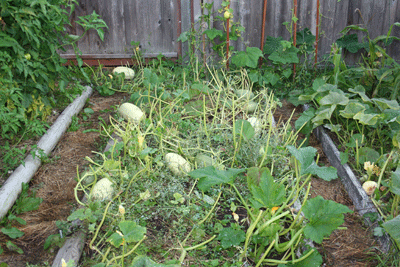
{"x": 156, "y": 24}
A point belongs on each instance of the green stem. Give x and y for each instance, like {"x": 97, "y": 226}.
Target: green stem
{"x": 249, "y": 234}
{"x": 265, "y": 253}
{"x": 244, "y": 203}
{"x": 267, "y": 223}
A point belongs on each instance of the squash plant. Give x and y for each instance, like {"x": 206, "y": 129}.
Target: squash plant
{"x": 247, "y": 202}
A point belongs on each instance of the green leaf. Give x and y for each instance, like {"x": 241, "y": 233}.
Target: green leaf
{"x": 12, "y": 247}
{"x": 355, "y": 140}
{"x": 248, "y": 58}
{"x": 324, "y": 216}
{"x": 12, "y": 232}
{"x": 334, "y": 98}
{"x": 116, "y": 240}
{"x": 350, "y": 42}
{"x": 394, "y": 183}
{"x": 392, "y": 228}
{"x": 287, "y": 56}
{"x": 78, "y": 214}
{"x": 231, "y": 237}
{"x": 344, "y": 157}
{"x": 28, "y": 204}
{"x": 352, "y": 109}
{"x": 305, "y": 121}
{"x": 244, "y": 129}
{"x": 131, "y": 231}
{"x": 272, "y": 44}
{"x": 323, "y": 114}
{"x": 305, "y": 156}
{"x": 368, "y": 154}
{"x": 313, "y": 260}
{"x": 209, "y": 176}
{"x": 271, "y": 78}
{"x": 386, "y": 104}
{"x": 267, "y": 194}
{"x": 144, "y": 261}
{"x": 212, "y": 33}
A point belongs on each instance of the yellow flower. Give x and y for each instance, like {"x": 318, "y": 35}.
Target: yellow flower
{"x": 140, "y": 141}
{"x": 137, "y": 48}
{"x": 235, "y": 216}
{"x": 121, "y": 209}
{"x": 368, "y": 166}
{"x": 63, "y": 263}
{"x": 273, "y": 210}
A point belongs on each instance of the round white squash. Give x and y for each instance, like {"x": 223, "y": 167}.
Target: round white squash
{"x": 251, "y": 106}
{"x": 245, "y": 94}
{"x": 103, "y": 190}
{"x": 256, "y": 125}
{"x": 177, "y": 164}
{"x": 129, "y": 73}
{"x": 131, "y": 112}
{"x": 204, "y": 161}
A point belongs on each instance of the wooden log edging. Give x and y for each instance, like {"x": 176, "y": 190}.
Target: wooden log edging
{"x": 12, "y": 187}
{"x": 361, "y": 200}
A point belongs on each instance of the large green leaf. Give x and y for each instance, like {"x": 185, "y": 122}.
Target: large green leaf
{"x": 334, "y": 98}
{"x": 386, "y": 104}
{"x": 366, "y": 119}
{"x": 244, "y": 129}
{"x": 271, "y": 78}
{"x": 231, "y": 237}
{"x": 287, "y": 56}
{"x": 352, "y": 109}
{"x": 248, "y": 58}
{"x": 212, "y": 33}
{"x": 305, "y": 156}
{"x": 323, "y": 216}
{"x": 392, "y": 227}
{"x": 131, "y": 231}
{"x": 267, "y": 194}
{"x": 323, "y": 114}
{"x": 368, "y": 154}
{"x": 272, "y": 44}
{"x": 209, "y": 176}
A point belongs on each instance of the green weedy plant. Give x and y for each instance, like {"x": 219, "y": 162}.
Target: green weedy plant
{"x": 23, "y": 204}
{"x": 31, "y": 34}
{"x": 377, "y": 70}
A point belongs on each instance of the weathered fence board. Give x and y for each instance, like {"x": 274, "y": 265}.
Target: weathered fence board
{"x": 154, "y": 23}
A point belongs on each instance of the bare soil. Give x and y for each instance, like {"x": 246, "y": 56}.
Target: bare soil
{"x": 55, "y": 182}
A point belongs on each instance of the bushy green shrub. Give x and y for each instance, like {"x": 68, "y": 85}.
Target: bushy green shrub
{"x": 32, "y": 32}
